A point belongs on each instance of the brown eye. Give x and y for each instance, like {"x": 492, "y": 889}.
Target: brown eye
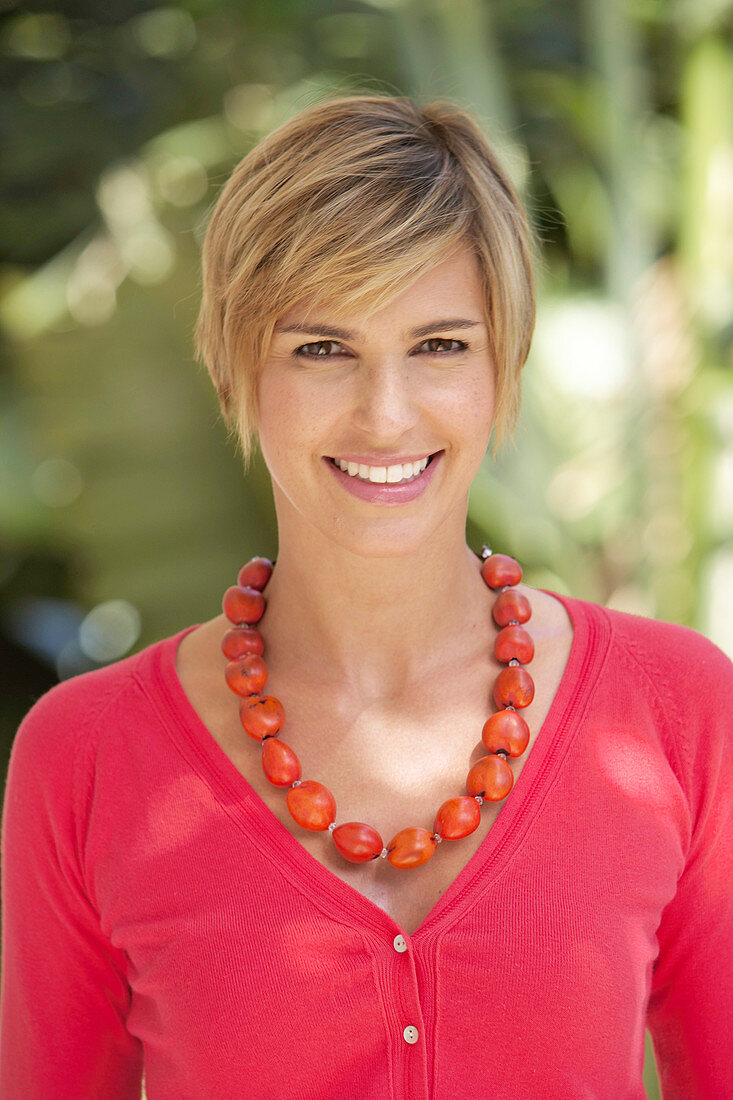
{"x": 442, "y": 340}
{"x": 319, "y": 353}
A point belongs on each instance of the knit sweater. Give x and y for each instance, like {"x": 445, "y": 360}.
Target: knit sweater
{"x": 158, "y": 917}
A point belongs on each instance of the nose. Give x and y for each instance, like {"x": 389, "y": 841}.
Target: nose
{"x": 386, "y": 405}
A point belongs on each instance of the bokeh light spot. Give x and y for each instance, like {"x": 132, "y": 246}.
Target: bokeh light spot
{"x": 41, "y": 36}
{"x": 57, "y": 482}
{"x": 109, "y": 630}
{"x": 164, "y": 32}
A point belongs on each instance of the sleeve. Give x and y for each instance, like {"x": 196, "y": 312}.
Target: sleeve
{"x": 690, "y": 1012}
{"x": 63, "y": 995}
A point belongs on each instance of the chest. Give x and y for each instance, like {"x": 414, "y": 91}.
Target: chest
{"x": 391, "y": 776}
{"x": 407, "y": 895}
{"x": 390, "y": 767}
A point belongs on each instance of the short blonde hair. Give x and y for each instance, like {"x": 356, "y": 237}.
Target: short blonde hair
{"x": 351, "y": 200}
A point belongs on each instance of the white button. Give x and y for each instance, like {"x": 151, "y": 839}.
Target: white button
{"x": 410, "y": 1034}
{"x": 399, "y": 943}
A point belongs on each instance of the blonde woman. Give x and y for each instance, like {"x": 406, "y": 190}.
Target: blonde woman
{"x": 395, "y": 824}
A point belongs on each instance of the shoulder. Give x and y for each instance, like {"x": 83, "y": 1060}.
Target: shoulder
{"x": 686, "y": 679}
{"x": 43, "y": 783}
{"x": 673, "y": 656}
{"x": 76, "y": 758}
{"x": 62, "y": 723}
{"x": 686, "y": 676}
{"x": 656, "y": 646}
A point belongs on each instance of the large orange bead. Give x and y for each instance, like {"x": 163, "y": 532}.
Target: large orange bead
{"x": 261, "y": 716}
{"x": 505, "y": 730}
{"x": 491, "y": 777}
{"x": 279, "y": 762}
{"x": 255, "y": 574}
{"x": 241, "y": 640}
{"x": 357, "y": 842}
{"x": 457, "y": 818}
{"x": 513, "y": 642}
{"x": 312, "y": 805}
{"x": 247, "y": 676}
{"x": 243, "y": 605}
{"x": 514, "y": 687}
{"x": 510, "y": 606}
{"x": 500, "y": 569}
{"x": 411, "y": 847}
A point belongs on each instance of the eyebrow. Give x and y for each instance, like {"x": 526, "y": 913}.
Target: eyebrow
{"x": 334, "y": 333}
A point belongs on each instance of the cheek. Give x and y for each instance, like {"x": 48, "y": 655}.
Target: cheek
{"x": 274, "y": 415}
{"x": 474, "y": 415}
{"x": 291, "y": 417}
{"x": 472, "y": 407}
{"x": 485, "y": 398}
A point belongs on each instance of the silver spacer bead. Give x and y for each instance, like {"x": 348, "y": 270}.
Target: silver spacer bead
{"x": 514, "y": 661}
{"x": 296, "y": 782}
{"x": 438, "y": 838}
{"x": 513, "y": 622}
{"x": 486, "y": 551}
{"x": 479, "y": 799}
{"x": 332, "y": 826}
{"x": 384, "y": 853}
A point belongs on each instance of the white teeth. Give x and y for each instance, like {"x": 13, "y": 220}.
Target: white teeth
{"x": 380, "y": 474}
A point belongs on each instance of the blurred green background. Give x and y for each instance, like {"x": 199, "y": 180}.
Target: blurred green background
{"x": 123, "y": 511}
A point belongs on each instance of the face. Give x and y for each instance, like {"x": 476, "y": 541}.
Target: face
{"x": 413, "y": 380}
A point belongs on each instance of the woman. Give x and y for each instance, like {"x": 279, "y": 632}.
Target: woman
{"x": 242, "y": 927}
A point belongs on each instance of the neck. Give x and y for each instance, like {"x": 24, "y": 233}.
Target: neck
{"x": 374, "y": 626}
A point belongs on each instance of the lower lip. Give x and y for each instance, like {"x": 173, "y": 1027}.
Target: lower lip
{"x": 383, "y": 492}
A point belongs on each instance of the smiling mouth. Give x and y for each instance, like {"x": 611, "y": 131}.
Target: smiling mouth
{"x": 401, "y": 474}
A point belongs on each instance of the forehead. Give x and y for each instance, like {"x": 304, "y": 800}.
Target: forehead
{"x": 451, "y": 290}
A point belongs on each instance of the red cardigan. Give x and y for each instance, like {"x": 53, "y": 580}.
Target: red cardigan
{"x": 156, "y": 913}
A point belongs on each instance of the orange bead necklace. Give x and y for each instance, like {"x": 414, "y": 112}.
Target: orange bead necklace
{"x": 505, "y": 733}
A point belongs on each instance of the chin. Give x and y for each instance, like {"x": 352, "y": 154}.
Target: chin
{"x": 405, "y": 539}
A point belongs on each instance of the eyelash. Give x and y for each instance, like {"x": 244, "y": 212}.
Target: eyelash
{"x": 438, "y": 339}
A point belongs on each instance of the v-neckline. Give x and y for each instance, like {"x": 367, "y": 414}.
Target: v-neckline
{"x": 334, "y": 895}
